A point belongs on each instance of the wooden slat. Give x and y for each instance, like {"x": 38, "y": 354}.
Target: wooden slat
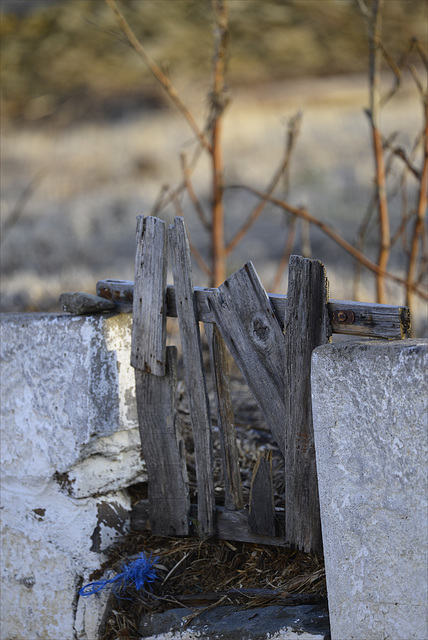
{"x": 193, "y": 374}
{"x": 370, "y": 319}
{"x": 225, "y": 418}
{"x": 249, "y": 327}
{"x": 261, "y": 518}
{"x": 149, "y": 312}
{"x": 306, "y": 326}
{"x": 229, "y": 525}
{"x": 163, "y": 449}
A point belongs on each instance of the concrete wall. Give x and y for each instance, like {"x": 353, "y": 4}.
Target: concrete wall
{"x": 70, "y": 448}
{"x": 370, "y": 420}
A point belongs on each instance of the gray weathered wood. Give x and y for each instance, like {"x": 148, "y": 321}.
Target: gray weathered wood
{"x": 261, "y": 518}
{"x": 307, "y": 325}
{"x": 149, "y": 310}
{"x": 249, "y": 327}
{"x": 225, "y": 418}
{"x": 370, "y": 319}
{"x": 229, "y": 525}
{"x": 80, "y": 303}
{"x": 163, "y": 449}
{"x": 194, "y": 374}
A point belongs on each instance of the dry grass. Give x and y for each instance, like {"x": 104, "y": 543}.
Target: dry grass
{"x": 207, "y": 573}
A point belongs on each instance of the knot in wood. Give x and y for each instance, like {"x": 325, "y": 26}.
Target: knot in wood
{"x": 261, "y": 330}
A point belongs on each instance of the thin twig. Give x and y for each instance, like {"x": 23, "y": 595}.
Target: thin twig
{"x": 192, "y": 195}
{"x": 335, "y": 236}
{"x": 158, "y": 73}
{"x": 419, "y": 222}
{"x": 195, "y": 253}
{"x": 292, "y": 134}
{"x": 288, "y": 248}
{"x": 218, "y": 102}
{"x": 374, "y": 77}
{"x": 20, "y": 204}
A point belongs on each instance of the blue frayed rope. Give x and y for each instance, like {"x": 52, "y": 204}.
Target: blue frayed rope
{"x": 139, "y": 572}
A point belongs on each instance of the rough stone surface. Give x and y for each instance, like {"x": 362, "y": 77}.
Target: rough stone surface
{"x": 70, "y": 448}
{"x": 370, "y": 421}
{"x": 304, "y": 622}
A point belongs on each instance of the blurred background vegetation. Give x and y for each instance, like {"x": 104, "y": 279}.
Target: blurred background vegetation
{"x": 65, "y": 59}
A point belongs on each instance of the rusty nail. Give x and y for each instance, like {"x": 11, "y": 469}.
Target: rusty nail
{"x": 343, "y": 317}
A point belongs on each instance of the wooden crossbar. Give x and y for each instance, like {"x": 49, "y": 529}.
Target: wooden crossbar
{"x": 347, "y": 317}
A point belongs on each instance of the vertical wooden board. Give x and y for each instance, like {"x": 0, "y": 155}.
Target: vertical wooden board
{"x": 163, "y": 449}
{"x": 261, "y": 519}
{"x": 225, "y": 418}
{"x": 248, "y": 324}
{"x": 306, "y": 326}
{"x": 194, "y": 374}
{"x": 149, "y": 309}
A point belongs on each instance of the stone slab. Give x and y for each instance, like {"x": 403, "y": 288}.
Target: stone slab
{"x": 370, "y": 421}
{"x": 303, "y": 622}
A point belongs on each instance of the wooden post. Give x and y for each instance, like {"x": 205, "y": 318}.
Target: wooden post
{"x": 149, "y": 312}
{"x": 306, "y": 326}
{"x": 156, "y": 381}
{"x": 194, "y": 374}
{"x": 225, "y": 418}
{"x": 163, "y": 450}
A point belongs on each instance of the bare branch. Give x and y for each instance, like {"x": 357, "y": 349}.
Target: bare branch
{"x": 199, "y": 259}
{"x": 336, "y": 237}
{"x": 20, "y": 205}
{"x": 420, "y": 219}
{"x": 158, "y": 73}
{"x": 292, "y": 134}
{"x": 193, "y": 197}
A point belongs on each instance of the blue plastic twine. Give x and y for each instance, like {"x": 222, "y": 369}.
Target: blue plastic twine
{"x": 139, "y": 572}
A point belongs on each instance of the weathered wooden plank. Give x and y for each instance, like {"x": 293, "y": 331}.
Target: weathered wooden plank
{"x": 194, "y": 374}
{"x": 229, "y": 525}
{"x": 307, "y": 325}
{"x": 225, "y": 418}
{"x": 261, "y": 518}
{"x": 163, "y": 449}
{"x": 249, "y": 327}
{"x": 370, "y": 319}
{"x": 149, "y": 312}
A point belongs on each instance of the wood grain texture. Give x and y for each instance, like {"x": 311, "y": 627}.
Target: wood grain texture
{"x": 372, "y": 320}
{"x": 248, "y": 324}
{"x": 194, "y": 374}
{"x": 229, "y": 525}
{"x": 148, "y": 341}
{"x": 225, "y": 418}
{"x": 307, "y": 326}
{"x": 261, "y": 518}
{"x": 163, "y": 449}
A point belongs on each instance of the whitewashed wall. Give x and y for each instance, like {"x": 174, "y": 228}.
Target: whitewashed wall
{"x": 70, "y": 448}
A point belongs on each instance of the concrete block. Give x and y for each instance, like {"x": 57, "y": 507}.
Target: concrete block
{"x": 370, "y": 420}
{"x": 70, "y": 448}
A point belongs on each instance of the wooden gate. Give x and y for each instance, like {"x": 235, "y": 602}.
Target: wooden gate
{"x": 271, "y": 338}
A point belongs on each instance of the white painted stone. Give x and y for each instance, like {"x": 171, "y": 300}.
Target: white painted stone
{"x": 70, "y": 448}
{"x": 370, "y": 421}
